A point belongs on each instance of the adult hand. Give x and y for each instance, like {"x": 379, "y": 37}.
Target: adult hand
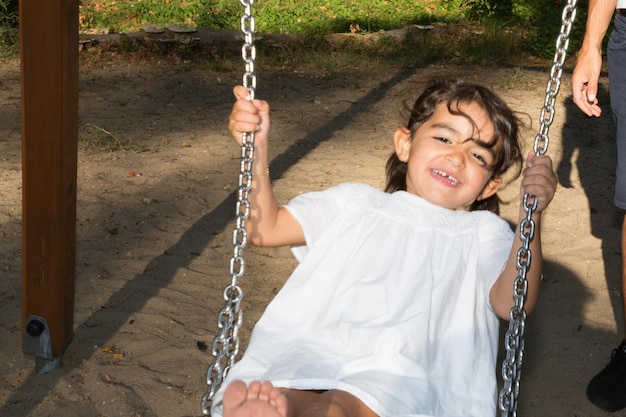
{"x": 585, "y": 81}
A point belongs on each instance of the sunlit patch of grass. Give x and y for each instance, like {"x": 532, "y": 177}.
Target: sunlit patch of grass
{"x": 466, "y": 31}
{"x": 100, "y": 139}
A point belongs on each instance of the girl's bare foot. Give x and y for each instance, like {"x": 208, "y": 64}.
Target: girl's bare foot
{"x": 259, "y": 399}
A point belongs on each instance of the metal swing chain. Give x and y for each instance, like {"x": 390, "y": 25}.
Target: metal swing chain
{"x": 514, "y": 338}
{"x": 226, "y": 343}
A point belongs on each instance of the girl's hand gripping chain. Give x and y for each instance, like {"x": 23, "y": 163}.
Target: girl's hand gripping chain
{"x": 539, "y": 179}
{"x": 249, "y": 116}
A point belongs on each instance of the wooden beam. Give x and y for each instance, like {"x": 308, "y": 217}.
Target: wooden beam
{"x": 49, "y": 68}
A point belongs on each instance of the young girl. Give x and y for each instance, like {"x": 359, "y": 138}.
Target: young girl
{"x": 393, "y": 309}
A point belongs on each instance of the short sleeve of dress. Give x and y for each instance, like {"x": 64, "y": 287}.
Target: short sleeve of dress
{"x": 317, "y": 210}
{"x": 496, "y": 238}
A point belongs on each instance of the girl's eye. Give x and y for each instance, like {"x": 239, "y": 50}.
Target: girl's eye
{"x": 442, "y": 139}
{"x": 480, "y": 159}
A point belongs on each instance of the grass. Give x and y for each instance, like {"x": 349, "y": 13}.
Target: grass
{"x": 9, "y": 43}
{"x": 507, "y": 26}
{"x": 99, "y": 139}
{"x": 103, "y": 16}
{"x": 468, "y": 31}
{"x": 275, "y": 16}
{"x": 450, "y": 44}
{"x": 323, "y": 17}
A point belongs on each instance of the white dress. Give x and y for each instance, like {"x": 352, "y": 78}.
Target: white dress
{"x": 390, "y": 302}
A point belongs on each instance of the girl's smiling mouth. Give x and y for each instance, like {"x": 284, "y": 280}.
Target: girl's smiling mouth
{"x": 445, "y": 177}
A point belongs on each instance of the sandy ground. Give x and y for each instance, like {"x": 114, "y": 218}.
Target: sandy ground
{"x": 153, "y": 248}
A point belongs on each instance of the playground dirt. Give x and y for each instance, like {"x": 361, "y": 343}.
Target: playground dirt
{"x": 157, "y": 174}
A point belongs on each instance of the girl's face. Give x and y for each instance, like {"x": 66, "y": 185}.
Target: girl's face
{"x": 447, "y": 161}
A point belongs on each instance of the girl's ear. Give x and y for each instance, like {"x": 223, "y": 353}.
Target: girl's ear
{"x": 402, "y": 143}
{"x": 491, "y": 188}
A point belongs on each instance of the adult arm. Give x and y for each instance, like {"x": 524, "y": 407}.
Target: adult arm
{"x": 589, "y": 63}
{"x": 538, "y": 179}
{"x": 269, "y": 224}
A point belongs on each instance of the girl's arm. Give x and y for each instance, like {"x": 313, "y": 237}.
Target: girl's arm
{"x": 538, "y": 179}
{"x": 268, "y": 224}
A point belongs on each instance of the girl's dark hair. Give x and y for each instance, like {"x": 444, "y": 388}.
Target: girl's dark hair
{"x": 454, "y": 92}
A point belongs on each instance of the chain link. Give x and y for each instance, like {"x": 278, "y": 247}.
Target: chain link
{"x": 226, "y": 343}
{"x": 514, "y": 337}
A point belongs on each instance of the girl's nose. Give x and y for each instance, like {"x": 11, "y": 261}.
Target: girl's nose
{"x": 456, "y": 158}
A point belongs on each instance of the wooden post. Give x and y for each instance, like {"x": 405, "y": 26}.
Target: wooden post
{"x": 49, "y": 67}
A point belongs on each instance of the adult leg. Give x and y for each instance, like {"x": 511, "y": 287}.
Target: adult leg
{"x": 616, "y": 54}
{"x": 607, "y": 389}
{"x": 617, "y": 89}
{"x": 624, "y": 276}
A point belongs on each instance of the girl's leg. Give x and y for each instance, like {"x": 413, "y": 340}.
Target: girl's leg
{"x": 336, "y": 403}
{"x": 298, "y": 400}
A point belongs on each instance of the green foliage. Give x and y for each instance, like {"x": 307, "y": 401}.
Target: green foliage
{"x": 548, "y": 24}
{"x": 341, "y": 16}
{"x": 543, "y": 17}
{"x": 9, "y": 13}
{"x": 482, "y": 9}
{"x": 507, "y": 27}
{"x": 277, "y": 16}
{"x": 131, "y": 15}
{"x": 9, "y": 20}
{"x": 219, "y": 14}
{"x": 520, "y": 11}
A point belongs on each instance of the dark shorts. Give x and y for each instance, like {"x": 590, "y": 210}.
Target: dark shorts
{"x": 616, "y": 54}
